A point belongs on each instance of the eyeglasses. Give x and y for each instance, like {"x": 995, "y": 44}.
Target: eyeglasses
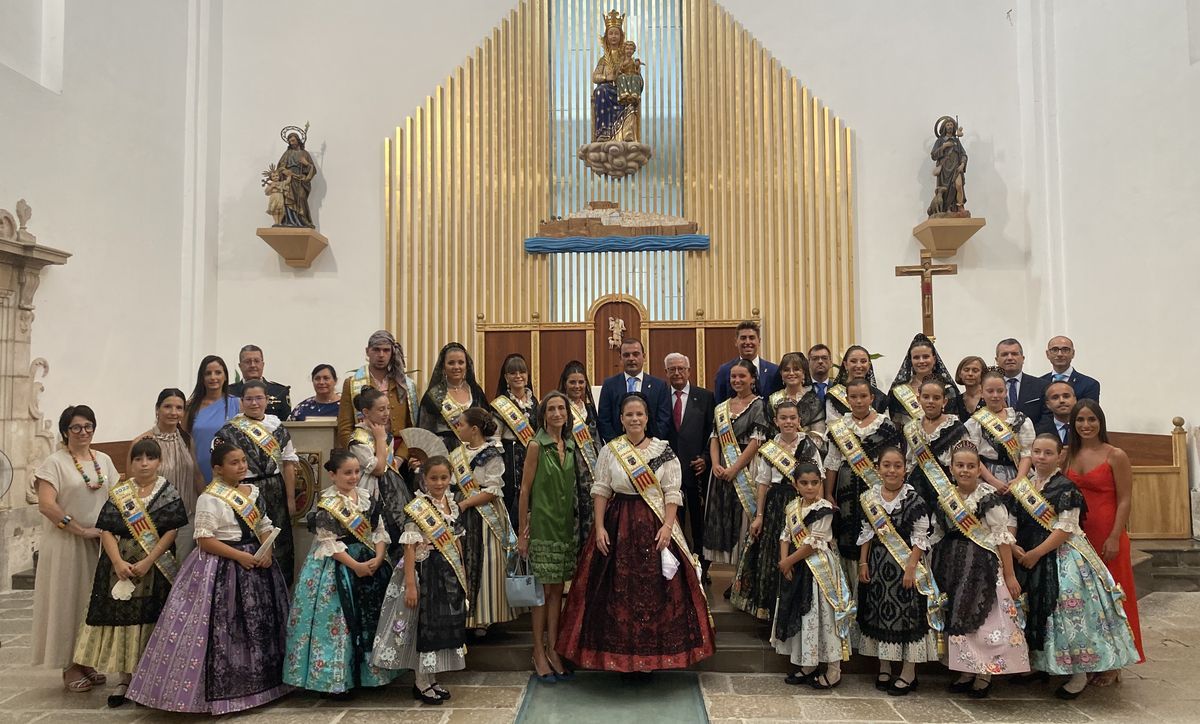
{"x": 254, "y": 399}
{"x": 82, "y": 428}
{"x": 1059, "y": 350}
{"x": 678, "y": 369}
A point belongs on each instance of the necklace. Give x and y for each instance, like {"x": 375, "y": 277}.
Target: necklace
{"x": 86, "y": 480}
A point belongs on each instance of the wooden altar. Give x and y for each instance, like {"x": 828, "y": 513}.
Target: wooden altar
{"x": 549, "y": 346}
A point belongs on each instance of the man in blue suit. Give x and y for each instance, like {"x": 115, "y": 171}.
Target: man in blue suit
{"x": 747, "y": 346}
{"x": 1061, "y": 353}
{"x": 634, "y": 379}
{"x": 1025, "y": 392}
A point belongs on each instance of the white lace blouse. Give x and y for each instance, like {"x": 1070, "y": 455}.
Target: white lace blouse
{"x": 611, "y": 477}
{"x": 920, "y": 529}
{"x": 1025, "y": 435}
{"x": 215, "y": 519}
{"x": 834, "y": 458}
{"x": 910, "y": 456}
{"x": 1067, "y": 520}
{"x": 767, "y": 474}
{"x": 820, "y": 533}
{"x": 326, "y": 542}
{"x": 490, "y": 475}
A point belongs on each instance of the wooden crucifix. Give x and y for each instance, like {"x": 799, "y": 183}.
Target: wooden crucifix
{"x": 926, "y": 270}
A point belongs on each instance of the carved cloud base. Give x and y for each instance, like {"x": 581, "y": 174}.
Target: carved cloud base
{"x": 617, "y": 159}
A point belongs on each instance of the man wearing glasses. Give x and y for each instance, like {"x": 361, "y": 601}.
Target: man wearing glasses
{"x": 1061, "y": 353}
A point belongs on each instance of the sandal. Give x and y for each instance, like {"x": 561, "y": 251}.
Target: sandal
{"x": 440, "y": 690}
{"x": 95, "y": 677}
{"x": 895, "y": 690}
{"x": 428, "y": 696}
{"x": 821, "y": 683}
{"x": 883, "y": 681}
{"x": 799, "y": 677}
{"x": 82, "y": 685}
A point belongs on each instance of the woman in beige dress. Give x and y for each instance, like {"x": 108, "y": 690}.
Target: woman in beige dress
{"x": 72, "y": 487}
{"x": 178, "y": 459}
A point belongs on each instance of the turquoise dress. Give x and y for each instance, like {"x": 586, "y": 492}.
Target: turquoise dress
{"x": 334, "y": 613}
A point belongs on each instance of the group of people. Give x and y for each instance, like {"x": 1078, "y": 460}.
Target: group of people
{"x": 976, "y": 519}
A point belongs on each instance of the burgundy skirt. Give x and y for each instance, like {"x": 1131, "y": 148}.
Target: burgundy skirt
{"x": 621, "y": 614}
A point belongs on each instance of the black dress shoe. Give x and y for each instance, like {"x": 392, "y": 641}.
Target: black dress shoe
{"x": 980, "y": 692}
{"x": 797, "y": 678}
{"x": 961, "y": 687}
{"x": 429, "y": 696}
{"x": 1062, "y": 693}
{"x": 728, "y": 593}
{"x": 822, "y": 683}
{"x": 883, "y": 682}
{"x": 894, "y": 690}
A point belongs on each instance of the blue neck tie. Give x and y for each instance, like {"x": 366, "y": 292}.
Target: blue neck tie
{"x": 1012, "y": 391}
{"x": 1060, "y": 377}
{"x": 821, "y": 390}
{"x": 1062, "y": 433}
{"x": 631, "y": 384}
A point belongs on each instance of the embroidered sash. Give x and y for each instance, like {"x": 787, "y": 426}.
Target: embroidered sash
{"x": 429, "y": 519}
{"x": 779, "y": 457}
{"x": 514, "y": 418}
{"x": 451, "y": 411}
{"x": 1035, "y": 504}
{"x": 363, "y": 437}
{"x": 903, "y": 392}
{"x": 492, "y": 514}
{"x": 998, "y": 433}
{"x": 730, "y": 450}
{"x": 260, "y": 436}
{"x": 242, "y": 505}
{"x": 838, "y": 392}
{"x": 583, "y": 438}
{"x": 351, "y": 518}
{"x": 137, "y": 519}
{"x": 885, "y": 531}
{"x": 852, "y": 450}
{"x": 966, "y": 522}
{"x": 830, "y": 577}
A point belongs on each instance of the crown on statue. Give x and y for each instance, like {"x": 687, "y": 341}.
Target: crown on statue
{"x": 614, "y": 19}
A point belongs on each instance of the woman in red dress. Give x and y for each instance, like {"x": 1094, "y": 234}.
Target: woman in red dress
{"x": 1104, "y": 475}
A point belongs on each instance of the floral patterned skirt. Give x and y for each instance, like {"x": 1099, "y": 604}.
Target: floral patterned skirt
{"x": 431, "y": 637}
{"x": 332, "y": 625}
{"x": 997, "y": 646}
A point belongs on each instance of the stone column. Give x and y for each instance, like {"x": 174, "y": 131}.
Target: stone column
{"x": 26, "y": 437}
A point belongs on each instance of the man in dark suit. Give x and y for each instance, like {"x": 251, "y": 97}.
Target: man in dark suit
{"x": 250, "y": 364}
{"x": 691, "y": 425}
{"x": 1060, "y": 398}
{"x": 1061, "y": 353}
{"x": 1025, "y": 392}
{"x": 767, "y": 380}
{"x": 633, "y": 379}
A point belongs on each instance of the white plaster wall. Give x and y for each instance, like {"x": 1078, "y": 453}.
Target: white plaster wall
{"x": 101, "y": 165}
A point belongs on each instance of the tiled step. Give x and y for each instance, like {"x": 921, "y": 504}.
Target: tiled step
{"x": 1175, "y": 578}
{"x": 23, "y": 581}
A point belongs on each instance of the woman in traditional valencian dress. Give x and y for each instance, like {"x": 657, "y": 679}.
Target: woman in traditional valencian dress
{"x": 583, "y": 421}
{"x": 862, "y": 429}
{"x": 119, "y": 622}
{"x": 489, "y": 537}
{"x": 372, "y": 445}
{"x": 178, "y": 463}
{"x": 515, "y": 410}
{"x": 894, "y": 580}
{"x": 335, "y": 609}
{"x": 424, "y": 619}
{"x": 1001, "y": 434}
{"x": 741, "y": 426}
{"x": 452, "y": 389}
{"x": 812, "y": 618}
{"x": 793, "y": 373}
{"x": 930, "y": 440}
{"x": 547, "y": 527}
{"x": 974, "y": 568}
{"x": 1104, "y": 475}
{"x": 856, "y": 364}
{"x": 969, "y": 377}
{"x": 219, "y": 643}
{"x": 1075, "y": 624}
{"x": 72, "y": 486}
{"x": 922, "y": 364}
{"x": 756, "y": 582}
{"x": 636, "y": 603}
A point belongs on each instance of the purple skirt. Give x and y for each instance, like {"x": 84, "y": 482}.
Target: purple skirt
{"x": 219, "y": 643}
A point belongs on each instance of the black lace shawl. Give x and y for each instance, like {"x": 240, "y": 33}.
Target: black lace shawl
{"x": 966, "y": 573}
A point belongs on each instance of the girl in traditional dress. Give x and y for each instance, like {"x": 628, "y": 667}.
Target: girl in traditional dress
{"x": 969, "y": 375}
{"x": 862, "y": 428}
{"x": 756, "y": 582}
{"x": 479, "y": 475}
{"x": 856, "y": 364}
{"x": 424, "y": 619}
{"x": 922, "y": 364}
{"x": 974, "y": 567}
{"x": 1103, "y": 473}
{"x": 335, "y": 610}
{"x": 894, "y": 583}
{"x": 452, "y": 389}
{"x": 372, "y": 445}
{"x": 514, "y": 408}
{"x": 220, "y": 641}
{"x": 793, "y": 373}
{"x": 135, "y": 573}
{"x": 547, "y": 524}
{"x": 72, "y": 486}
{"x": 811, "y": 623}
{"x": 1075, "y": 624}
{"x": 1001, "y": 434}
{"x": 931, "y": 438}
{"x": 583, "y": 421}
{"x": 741, "y": 426}
{"x": 636, "y": 603}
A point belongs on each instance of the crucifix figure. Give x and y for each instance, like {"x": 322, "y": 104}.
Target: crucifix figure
{"x": 926, "y": 269}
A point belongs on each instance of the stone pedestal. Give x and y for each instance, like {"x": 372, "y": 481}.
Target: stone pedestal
{"x": 298, "y": 246}
{"x": 942, "y": 237}
{"x": 25, "y": 437}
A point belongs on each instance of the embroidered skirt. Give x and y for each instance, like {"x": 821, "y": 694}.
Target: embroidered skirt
{"x": 997, "y": 646}
{"x": 486, "y": 564}
{"x": 725, "y": 521}
{"x": 805, "y": 625}
{"x": 621, "y": 614}
{"x": 756, "y": 583}
{"x": 431, "y": 637}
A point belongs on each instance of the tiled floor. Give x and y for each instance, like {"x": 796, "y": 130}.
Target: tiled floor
{"x": 1164, "y": 689}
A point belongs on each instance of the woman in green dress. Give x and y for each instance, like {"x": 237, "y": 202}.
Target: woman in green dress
{"x": 547, "y": 524}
